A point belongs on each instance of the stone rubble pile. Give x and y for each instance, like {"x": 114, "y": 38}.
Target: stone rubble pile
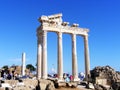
{"x": 105, "y": 72}
{"x": 106, "y": 76}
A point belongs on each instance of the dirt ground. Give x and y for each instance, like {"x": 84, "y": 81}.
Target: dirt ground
{"x": 79, "y": 88}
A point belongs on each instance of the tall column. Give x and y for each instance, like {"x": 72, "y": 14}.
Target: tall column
{"x": 23, "y": 64}
{"x": 74, "y": 59}
{"x": 60, "y": 57}
{"x": 87, "y": 59}
{"x": 44, "y": 55}
{"x": 39, "y": 55}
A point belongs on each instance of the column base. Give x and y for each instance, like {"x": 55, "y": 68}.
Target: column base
{"x": 76, "y": 79}
{"x": 61, "y": 80}
{"x": 44, "y": 77}
{"x": 38, "y": 77}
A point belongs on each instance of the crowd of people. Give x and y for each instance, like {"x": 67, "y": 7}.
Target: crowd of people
{"x": 68, "y": 77}
{"x": 7, "y": 75}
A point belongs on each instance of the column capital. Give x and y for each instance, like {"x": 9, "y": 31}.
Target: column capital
{"x": 44, "y": 33}
{"x": 59, "y": 33}
{"x": 85, "y": 36}
{"x": 73, "y": 37}
{"x": 73, "y": 34}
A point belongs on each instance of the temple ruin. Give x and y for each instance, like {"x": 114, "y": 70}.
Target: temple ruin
{"x": 54, "y": 23}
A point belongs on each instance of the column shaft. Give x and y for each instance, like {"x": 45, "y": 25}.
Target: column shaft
{"x": 74, "y": 58}
{"x": 39, "y": 56}
{"x": 87, "y": 59}
{"x": 60, "y": 57}
{"x": 44, "y": 55}
{"x": 23, "y": 64}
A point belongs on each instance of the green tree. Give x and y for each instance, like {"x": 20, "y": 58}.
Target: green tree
{"x": 30, "y": 67}
{"x": 5, "y": 67}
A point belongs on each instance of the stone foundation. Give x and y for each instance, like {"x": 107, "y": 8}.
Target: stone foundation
{"x": 29, "y": 84}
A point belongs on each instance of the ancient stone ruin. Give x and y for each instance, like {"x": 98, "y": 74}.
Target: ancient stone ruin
{"x": 54, "y": 23}
{"x": 105, "y": 75}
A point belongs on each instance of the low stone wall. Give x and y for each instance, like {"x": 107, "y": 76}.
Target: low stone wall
{"x": 29, "y": 84}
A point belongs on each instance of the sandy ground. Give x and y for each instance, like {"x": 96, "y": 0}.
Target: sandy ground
{"x": 78, "y": 88}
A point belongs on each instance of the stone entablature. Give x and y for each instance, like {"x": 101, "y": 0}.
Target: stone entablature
{"x": 54, "y": 23}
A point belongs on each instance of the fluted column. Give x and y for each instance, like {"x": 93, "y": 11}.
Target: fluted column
{"x": 23, "y": 64}
{"x": 39, "y": 56}
{"x": 87, "y": 59}
{"x": 74, "y": 58}
{"x": 44, "y": 55}
{"x": 60, "y": 57}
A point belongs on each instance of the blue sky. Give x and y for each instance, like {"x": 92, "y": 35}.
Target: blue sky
{"x": 19, "y": 21}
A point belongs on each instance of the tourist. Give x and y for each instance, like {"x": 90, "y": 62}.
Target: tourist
{"x": 71, "y": 77}
{"x": 67, "y": 79}
{"x": 13, "y": 76}
{"x": 9, "y": 76}
{"x": 64, "y": 76}
{"x": 2, "y": 73}
{"x": 81, "y": 75}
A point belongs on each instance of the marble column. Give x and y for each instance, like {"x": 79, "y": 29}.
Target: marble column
{"x": 44, "y": 55}
{"x": 39, "y": 56}
{"x": 74, "y": 58}
{"x": 60, "y": 57}
{"x": 23, "y": 64}
{"x": 87, "y": 59}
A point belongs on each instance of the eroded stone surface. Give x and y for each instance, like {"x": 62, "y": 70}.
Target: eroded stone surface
{"x": 105, "y": 76}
